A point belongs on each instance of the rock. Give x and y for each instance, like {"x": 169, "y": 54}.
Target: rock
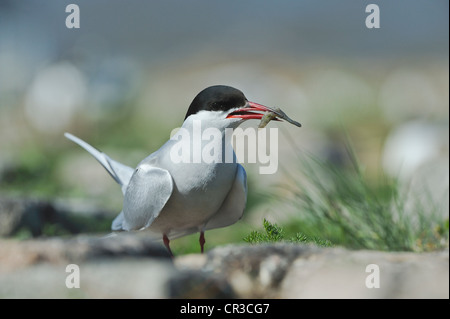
{"x": 301, "y": 271}
{"x": 199, "y": 285}
{"x": 190, "y": 261}
{"x": 124, "y": 266}
{"x": 20, "y": 254}
{"x": 29, "y": 214}
{"x": 134, "y": 266}
{"x": 255, "y": 271}
{"x": 126, "y": 277}
{"x": 35, "y": 216}
{"x": 11, "y": 214}
{"x": 339, "y": 273}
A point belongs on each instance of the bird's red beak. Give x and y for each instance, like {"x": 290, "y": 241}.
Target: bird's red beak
{"x": 248, "y": 111}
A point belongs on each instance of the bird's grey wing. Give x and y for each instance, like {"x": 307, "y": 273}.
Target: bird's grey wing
{"x": 118, "y": 222}
{"x": 233, "y": 206}
{"x": 120, "y": 172}
{"x": 148, "y": 192}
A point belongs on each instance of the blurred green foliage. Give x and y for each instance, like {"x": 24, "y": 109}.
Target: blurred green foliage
{"x": 32, "y": 173}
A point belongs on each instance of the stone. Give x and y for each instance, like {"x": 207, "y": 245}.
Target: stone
{"x": 123, "y": 266}
{"x": 34, "y": 216}
{"x": 199, "y": 285}
{"x": 127, "y": 277}
{"x": 255, "y": 271}
{"x": 135, "y": 266}
{"x": 340, "y": 273}
{"x": 20, "y": 254}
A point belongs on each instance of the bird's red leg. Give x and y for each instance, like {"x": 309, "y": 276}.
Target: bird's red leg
{"x": 202, "y": 240}
{"x": 166, "y": 242}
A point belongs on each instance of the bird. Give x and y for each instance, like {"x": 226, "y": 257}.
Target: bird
{"x": 176, "y": 198}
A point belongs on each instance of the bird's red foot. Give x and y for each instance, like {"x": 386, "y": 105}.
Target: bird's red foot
{"x": 202, "y": 240}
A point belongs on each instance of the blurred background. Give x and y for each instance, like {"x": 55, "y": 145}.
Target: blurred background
{"x": 125, "y": 78}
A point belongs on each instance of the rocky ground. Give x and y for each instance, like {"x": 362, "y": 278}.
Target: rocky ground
{"x": 133, "y": 266}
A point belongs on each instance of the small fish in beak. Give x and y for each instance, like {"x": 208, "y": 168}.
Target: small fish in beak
{"x": 276, "y": 114}
{"x": 269, "y": 116}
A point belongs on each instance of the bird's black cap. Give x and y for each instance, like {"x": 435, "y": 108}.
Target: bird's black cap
{"x": 217, "y": 98}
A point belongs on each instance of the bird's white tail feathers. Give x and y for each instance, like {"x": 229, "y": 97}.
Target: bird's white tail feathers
{"x": 120, "y": 172}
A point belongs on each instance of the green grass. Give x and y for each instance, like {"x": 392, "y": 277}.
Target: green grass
{"x": 342, "y": 206}
{"x": 274, "y": 233}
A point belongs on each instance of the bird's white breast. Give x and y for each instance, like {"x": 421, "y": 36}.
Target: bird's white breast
{"x": 199, "y": 188}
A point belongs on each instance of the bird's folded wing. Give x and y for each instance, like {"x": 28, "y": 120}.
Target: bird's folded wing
{"x": 233, "y": 206}
{"x": 117, "y": 224}
{"x": 148, "y": 192}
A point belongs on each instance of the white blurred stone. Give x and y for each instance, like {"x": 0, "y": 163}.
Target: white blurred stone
{"x": 417, "y": 153}
{"x": 413, "y": 144}
{"x": 55, "y": 94}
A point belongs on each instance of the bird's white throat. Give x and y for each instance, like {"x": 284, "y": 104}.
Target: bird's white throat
{"x": 204, "y": 141}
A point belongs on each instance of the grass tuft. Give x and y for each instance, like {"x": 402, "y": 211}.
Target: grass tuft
{"x": 338, "y": 205}
{"x": 342, "y": 206}
{"x": 274, "y": 233}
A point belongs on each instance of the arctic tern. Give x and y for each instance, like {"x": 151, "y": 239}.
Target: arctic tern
{"x": 177, "y": 199}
